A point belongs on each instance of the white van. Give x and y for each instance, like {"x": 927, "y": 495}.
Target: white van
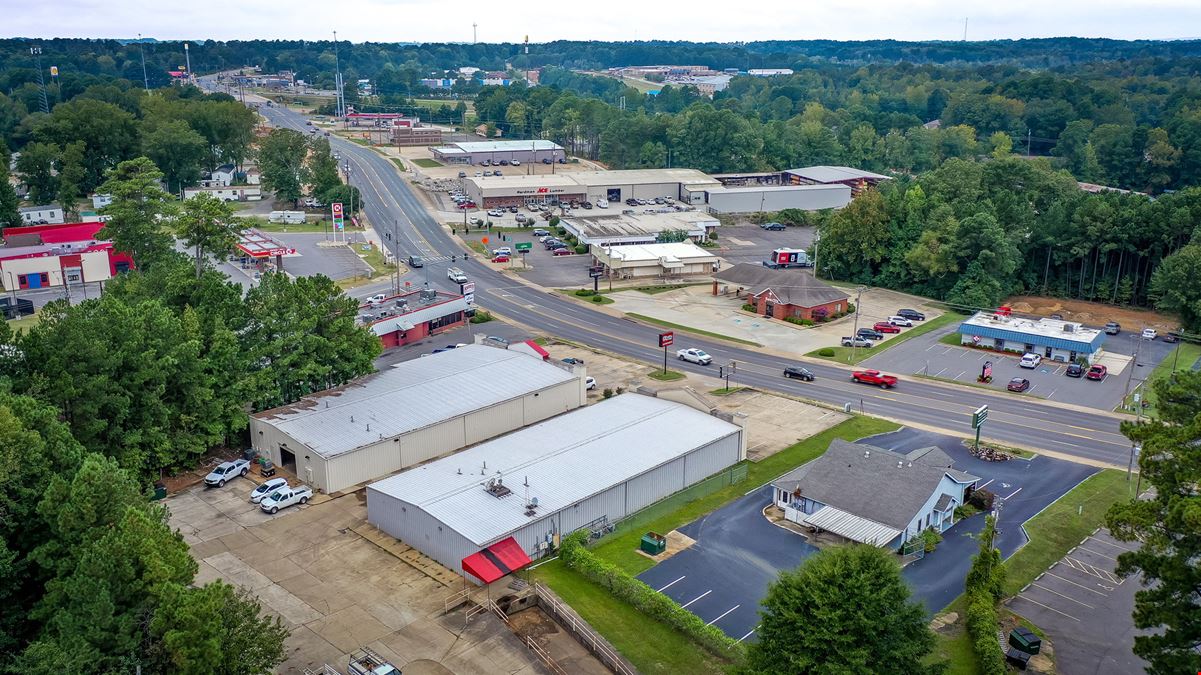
{"x": 456, "y": 275}
{"x": 290, "y": 217}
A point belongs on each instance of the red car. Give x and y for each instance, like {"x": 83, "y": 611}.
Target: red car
{"x": 1097, "y": 372}
{"x": 885, "y": 327}
{"x": 501, "y": 259}
{"x": 467, "y": 205}
{"x": 874, "y": 377}
{"x": 1018, "y": 384}
{"x": 562, "y": 251}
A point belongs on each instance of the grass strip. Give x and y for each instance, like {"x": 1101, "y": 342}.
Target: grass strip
{"x": 689, "y": 329}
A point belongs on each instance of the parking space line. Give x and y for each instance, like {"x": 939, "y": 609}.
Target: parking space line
{"x": 748, "y": 634}
{"x": 1032, "y": 388}
{"x": 1012, "y": 494}
{"x": 981, "y": 487}
{"x": 1063, "y": 596}
{"x": 1023, "y": 597}
{"x": 697, "y": 598}
{"x": 1096, "y": 572}
{"x": 1100, "y": 554}
{"x": 941, "y": 372}
{"x": 670, "y": 585}
{"x": 960, "y": 374}
{"x": 723, "y": 614}
{"x": 1091, "y": 590}
{"x": 1109, "y": 543}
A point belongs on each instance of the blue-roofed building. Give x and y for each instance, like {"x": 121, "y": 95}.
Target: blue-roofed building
{"x": 1064, "y": 341}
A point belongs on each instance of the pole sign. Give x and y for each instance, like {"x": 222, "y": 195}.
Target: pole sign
{"x": 336, "y": 208}
{"x": 594, "y": 272}
{"x": 980, "y": 416}
{"x": 667, "y": 339}
{"x": 522, "y": 247}
{"x": 468, "y": 292}
{"x": 986, "y": 371}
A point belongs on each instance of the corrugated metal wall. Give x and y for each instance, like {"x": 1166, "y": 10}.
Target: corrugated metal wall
{"x": 491, "y": 422}
{"x": 418, "y": 529}
{"x": 651, "y": 486}
{"x": 610, "y": 503}
{"x": 430, "y": 442}
{"x": 553, "y": 401}
{"x": 708, "y": 460}
{"x": 363, "y": 464}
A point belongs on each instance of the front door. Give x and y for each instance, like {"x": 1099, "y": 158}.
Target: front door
{"x": 769, "y": 310}
{"x": 1047, "y": 353}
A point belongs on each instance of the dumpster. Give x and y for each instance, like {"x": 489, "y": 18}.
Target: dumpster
{"x": 160, "y": 491}
{"x": 1017, "y": 658}
{"x": 653, "y": 544}
{"x": 1025, "y": 640}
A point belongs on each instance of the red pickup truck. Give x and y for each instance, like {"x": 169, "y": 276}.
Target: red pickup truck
{"x": 874, "y": 377}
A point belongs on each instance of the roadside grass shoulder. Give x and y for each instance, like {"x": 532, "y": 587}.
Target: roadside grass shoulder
{"x": 593, "y": 299}
{"x": 665, "y": 376}
{"x": 426, "y": 163}
{"x": 853, "y": 356}
{"x": 621, "y": 547}
{"x": 689, "y": 329}
{"x": 652, "y": 646}
{"x": 1182, "y": 358}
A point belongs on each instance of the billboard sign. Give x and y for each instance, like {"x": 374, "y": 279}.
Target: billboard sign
{"x": 667, "y": 339}
{"x": 336, "y": 209}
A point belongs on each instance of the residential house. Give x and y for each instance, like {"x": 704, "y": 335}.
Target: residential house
{"x": 782, "y": 293}
{"x": 46, "y": 214}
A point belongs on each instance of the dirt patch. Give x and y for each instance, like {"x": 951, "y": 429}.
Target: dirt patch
{"x": 1094, "y": 313}
{"x": 533, "y": 622}
{"x": 186, "y": 479}
{"x": 676, "y": 542}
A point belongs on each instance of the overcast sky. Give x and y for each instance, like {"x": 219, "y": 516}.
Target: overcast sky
{"x": 545, "y": 20}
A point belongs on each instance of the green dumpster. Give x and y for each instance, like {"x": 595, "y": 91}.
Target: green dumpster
{"x": 160, "y": 491}
{"x": 653, "y": 544}
{"x": 1025, "y": 640}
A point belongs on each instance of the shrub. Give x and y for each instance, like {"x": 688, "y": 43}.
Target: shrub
{"x": 598, "y": 298}
{"x": 561, "y": 231}
{"x": 850, "y": 308}
{"x": 930, "y": 539}
{"x": 621, "y": 390}
{"x": 982, "y": 622}
{"x": 642, "y": 597}
{"x": 585, "y": 292}
{"x": 481, "y": 317}
{"x": 982, "y": 499}
{"x": 581, "y": 248}
{"x": 821, "y": 314}
{"x": 554, "y": 221}
{"x": 607, "y": 393}
{"x": 748, "y": 307}
{"x": 713, "y": 236}
{"x": 826, "y": 351}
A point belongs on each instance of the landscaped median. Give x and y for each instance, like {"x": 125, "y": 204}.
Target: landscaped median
{"x": 647, "y": 627}
{"x": 852, "y": 356}
{"x": 689, "y": 329}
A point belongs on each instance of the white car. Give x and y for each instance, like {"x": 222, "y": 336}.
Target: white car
{"x": 227, "y": 471}
{"x": 375, "y": 299}
{"x": 900, "y": 321}
{"x": 496, "y": 213}
{"x": 503, "y": 250}
{"x": 284, "y": 497}
{"x": 1149, "y": 334}
{"x": 1030, "y": 361}
{"x": 267, "y": 488}
{"x": 602, "y": 203}
{"x": 515, "y": 163}
{"x": 590, "y": 383}
{"x": 694, "y": 355}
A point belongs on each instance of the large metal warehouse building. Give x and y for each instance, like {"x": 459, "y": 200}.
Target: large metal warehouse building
{"x": 770, "y": 198}
{"x": 592, "y": 466}
{"x": 413, "y": 412}
{"x": 474, "y": 152}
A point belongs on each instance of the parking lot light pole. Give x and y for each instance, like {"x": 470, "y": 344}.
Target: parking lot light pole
{"x": 855, "y": 335}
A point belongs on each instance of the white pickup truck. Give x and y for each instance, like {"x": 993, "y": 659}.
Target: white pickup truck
{"x": 694, "y": 355}
{"x": 227, "y": 471}
{"x": 285, "y": 497}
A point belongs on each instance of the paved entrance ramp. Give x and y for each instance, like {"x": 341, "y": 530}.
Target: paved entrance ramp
{"x": 1116, "y": 363}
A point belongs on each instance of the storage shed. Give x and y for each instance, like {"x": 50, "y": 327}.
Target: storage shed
{"x": 413, "y": 412}
{"x": 586, "y": 469}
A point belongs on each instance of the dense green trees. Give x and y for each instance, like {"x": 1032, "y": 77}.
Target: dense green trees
{"x": 35, "y": 168}
{"x": 844, "y": 610}
{"x": 177, "y": 151}
{"x": 282, "y": 160}
{"x": 138, "y": 208}
{"x": 208, "y": 227}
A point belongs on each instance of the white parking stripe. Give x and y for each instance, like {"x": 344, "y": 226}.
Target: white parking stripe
{"x": 1063, "y": 596}
{"x": 748, "y": 634}
{"x": 980, "y": 487}
{"x": 1050, "y": 608}
{"x": 1091, "y": 590}
{"x": 1109, "y": 543}
{"x": 1012, "y": 494}
{"x": 723, "y": 614}
{"x": 1100, "y": 554}
{"x": 697, "y": 598}
{"x": 670, "y": 585}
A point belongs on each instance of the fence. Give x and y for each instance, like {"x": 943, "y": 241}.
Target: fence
{"x": 583, "y": 633}
{"x": 718, "y": 481}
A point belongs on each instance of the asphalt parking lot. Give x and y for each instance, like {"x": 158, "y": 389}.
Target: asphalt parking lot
{"x": 1085, "y": 608}
{"x": 750, "y": 243}
{"x": 738, "y": 552}
{"x": 925, "y": 355}
{"x": 335, "y": 262}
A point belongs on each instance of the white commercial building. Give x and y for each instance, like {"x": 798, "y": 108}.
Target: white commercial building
{"x": 606, "y": 228}
{"x": 1054, "y": 339}
{"x": 46, "y": 214}
{"x": 227, "y": 193}
{"x": 413, "y": 412}
{"x": 615, "y": 186}
{"x": 591, "y": 467}
{"x": 655, "y": 260}
{"x": 494, "y": 152}
{"x": 772, "y": 198}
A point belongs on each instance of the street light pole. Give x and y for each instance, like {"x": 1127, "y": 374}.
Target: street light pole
{"x": 142, "y": 53}
{"x": 1133, "y": 365}
{"x": 855, "y": 335}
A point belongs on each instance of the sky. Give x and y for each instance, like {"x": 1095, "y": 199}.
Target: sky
{"x": 546, "y": 20}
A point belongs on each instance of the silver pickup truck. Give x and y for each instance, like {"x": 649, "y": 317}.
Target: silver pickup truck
{"x": 285, "y": 497}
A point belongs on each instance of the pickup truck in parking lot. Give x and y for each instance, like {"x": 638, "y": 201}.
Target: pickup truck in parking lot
{"x": 856, "y": 341}
{"x": 874, "y": 377}
{"x": 227, "y": 471}
{"x": 282, "y": 498}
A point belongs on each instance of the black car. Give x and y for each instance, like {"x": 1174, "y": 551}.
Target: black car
{"x": 415, "y": 261}
{"x": 911, "y": 314}
{"x": 797, "y": 372}
{"x": 1171, "y": 338}
{"x": 572, "y": 361}
{"x": 774, "y": 227}
{"x": 1075, "y": 370}
{"x": 546, "y": 160}
{"x": 870, "y": 334}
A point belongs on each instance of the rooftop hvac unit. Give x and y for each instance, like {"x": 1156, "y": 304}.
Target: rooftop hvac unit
{"x": 1069, "y": 328}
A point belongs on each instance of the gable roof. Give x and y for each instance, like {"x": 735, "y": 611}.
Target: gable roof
{"x": 868, "y": 482}
{"x": 790, "y": 286}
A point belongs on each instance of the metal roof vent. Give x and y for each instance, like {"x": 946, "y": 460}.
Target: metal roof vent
{"x": 495, "y": 486}
{"x": 900, "y": 464}
{"x": 867, "y": 453}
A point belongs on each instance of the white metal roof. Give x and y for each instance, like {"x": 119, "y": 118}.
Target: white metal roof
{"x": 565, "y": 460}
{"x": 829, "y": 174}
{"x": 410, "y": 396}
{"x": 505, "y": 146}
{"x": 636, "y": 253}
{"x": 1043, "y": 327}
{"x": 852, "y": 526}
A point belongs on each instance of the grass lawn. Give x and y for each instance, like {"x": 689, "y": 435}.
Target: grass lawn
{"x": 308, "y": 226}
{"x": 426, "y": 163}
{"x": 952, "y": 339}
{"x": 665, "y": 516}
{"x": 955, "y": 649}
{"x": 1183, "y": 358}
{"x": 1064, "y": 524}
{"x": 25, "y": 323}
{"x": 654, "y": 290}
{"x": 848, "y": 355}
{"x": 696, "y": 331}
{"x": 652, "y": 646}
{"x": 665, "y": 376}
{"x": 479, "y": 248}
{"x": 591, "y": 299}
{"x": 726, "y": 391}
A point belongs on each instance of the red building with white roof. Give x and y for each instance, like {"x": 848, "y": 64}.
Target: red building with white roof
{"x": 415, "y": 315}
{"x": 46, "y": 256}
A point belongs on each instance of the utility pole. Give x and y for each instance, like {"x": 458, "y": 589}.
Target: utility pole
{"x": 965, "y": 29}
{"x": 339, "y": 101}
{"x": 142, "y": 53}
{"x": 1133, "y": 364}
{"x": 187, "y": 60}
{"x": 855, "y": 335}
{"x": 37, "y": 55}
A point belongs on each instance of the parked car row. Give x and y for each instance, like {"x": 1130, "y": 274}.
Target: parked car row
{"x": 867, "y": 337}
{"x": 271, "y": 496}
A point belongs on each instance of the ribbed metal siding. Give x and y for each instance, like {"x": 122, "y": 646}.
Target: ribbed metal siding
{"x": 530, "y": 536}
{"x": 650, "y": 487}
{"x": 492, "y": 421}
{"x": 708, "y": 460}
{"x": 431, "y": 442}
{"x": 552, "y": 401}
{"x": 610, "y": 503}
{"x": 418, "y": 529}
{"x": 1031, "y": 338}
{"x": 363, "y": 464}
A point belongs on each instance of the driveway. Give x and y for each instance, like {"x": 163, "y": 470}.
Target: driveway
{"x": 1086, "y": 609}
{"x": 752, "y": 244}
{"x": 738, "y": 552}
{"x": 925, "y": 355}
{"x": 335, "y": 262}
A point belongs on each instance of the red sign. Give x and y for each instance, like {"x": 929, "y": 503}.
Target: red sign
{"x": 337, "y": 207}
{"x": 543, "y": 191}
{"x": 667, "y": 339}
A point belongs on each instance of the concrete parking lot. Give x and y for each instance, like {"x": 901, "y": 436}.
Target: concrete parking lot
{"x": 925, "y": 355}
{"x": 334, "y": 589}
{"x": 335, "y": 262}
{"x": 738, "y": 552}
{"x": 1086, "y": 609}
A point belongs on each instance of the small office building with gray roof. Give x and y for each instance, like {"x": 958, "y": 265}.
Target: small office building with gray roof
{"x": 413, "y": 412}
{"x": 874, "y": 496}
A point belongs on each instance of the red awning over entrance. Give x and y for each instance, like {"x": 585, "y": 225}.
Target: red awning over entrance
{"x": 496, "y": 561}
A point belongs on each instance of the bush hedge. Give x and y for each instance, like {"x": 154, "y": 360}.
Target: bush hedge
{"x": 982, "y": 499}
{"x": 982, "y": 627}
{"x": 799, "y": 321}
{"x": 585, "y": 292}
{"x": 826, "y": 351}
{"x": 598, "y": 298}
{"x": 581, "y": 249}
{"x": 645, "y": 599}
{"x": 748, "y": 307}
{"x": 481, "y": 317}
